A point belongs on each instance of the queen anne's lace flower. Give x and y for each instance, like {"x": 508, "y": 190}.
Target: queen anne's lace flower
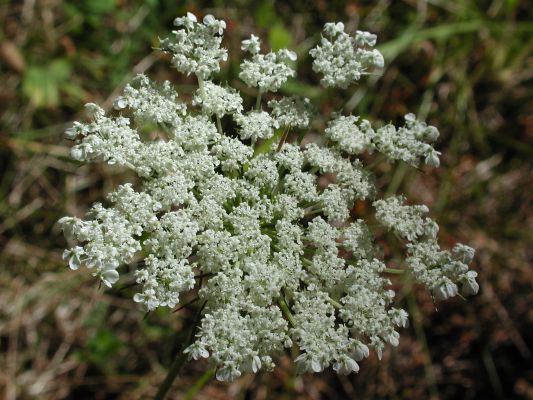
{"x": 252, "y": 45}
{"x": 342, "y": 58}
{"x": 291, "y": 112}
{"x": 358, "y": 240}
{"x": 440, "y": 270}
{"x": 162, "y": 280}
{"x": 409, "y": 143}
{"x": 216, "y": 100}
{"x": 351, "y": 137}
{"x": 151, "y": 103}
{"x": 195, "y": 47}
{"x": 267, "y": 72}
{"x": 406, "y": 221}
{"x": 255, "y": 125}
{"x": 281, "y": 260}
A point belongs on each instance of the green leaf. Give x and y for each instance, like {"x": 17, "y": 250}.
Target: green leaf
{"x": 74, "y": 91}
{"x": 41, "y": 84}
{"x": 279, "y": 37}
{"x": 394, "y": 47}
{"x": 101, "y": 347}
{"x": 59, "y": 69}
{"x": 41, "y": 91}
{"x": 265, "y": 15}
{"x": 265, "y": 146}
{"x": 298, "y": 88}
{"x": 100, "y": 6}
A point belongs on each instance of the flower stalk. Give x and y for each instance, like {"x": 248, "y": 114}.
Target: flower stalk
{"x": 180, "y": 359}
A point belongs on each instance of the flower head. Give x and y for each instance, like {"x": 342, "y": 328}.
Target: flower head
{"x": 195, "y": 47}
{"x": 268, "y": 221}
{"x": 342, "y": 59}
{"x": 266, "y": 72}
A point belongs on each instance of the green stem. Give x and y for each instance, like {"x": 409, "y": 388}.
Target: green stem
{"x": 395, "y": 271}
{"x": 173, "y": 372}
{"x": 186, "y": 304}
{"x": 280, "y": 183}
{"x": 219, "y": 125}
{"x": 314, "y": 170}
{"x": 286, "y": 311}
{"x": 397, "y": 179}
{"x": 312, "y": 212}
{"x": 421, "y": 337}
{"x": 283, "y": 139}
{"x": 201, "y": 87}
{"x": 335, "y": 304}
{"x": 199, "y": 384}
{"x": 178, "y": 362}
{"x": 301, "y": 137}
{"x": 258, "y": 101}
{"x": 379, "y": 159}
{"x": 307, "y": 262}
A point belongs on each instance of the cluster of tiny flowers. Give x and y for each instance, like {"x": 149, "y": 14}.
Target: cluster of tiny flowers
{"x": 266, "y": 72}
{"x": 342, "y": 58}
{"x": 244, "y": 217}
{"x": 440, "y": 271}
{"x": 195, "y": 47}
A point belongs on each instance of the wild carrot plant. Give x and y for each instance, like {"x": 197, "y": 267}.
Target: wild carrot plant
{"x": 237, "y": 198}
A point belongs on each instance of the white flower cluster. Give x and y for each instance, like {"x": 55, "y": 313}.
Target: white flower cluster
{"x": 406, "y": 221}
{"x": 195, "y": 47}
{"x": 439, "y": 270}
{"x": 243, "y": 217}
{"x": 266, "y": 72}
{"x": 409, "y": 143}
{"x": 342, "y": 58}
{"x": 255, "y": 125}
{"x": 349, "y": 136}
{"x": 151, "y": 103}
{"x": 291, "y": 112}
{"x": 217, "y": 100}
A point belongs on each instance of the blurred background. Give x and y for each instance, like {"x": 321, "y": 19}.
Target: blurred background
{"x": 463, "y": 66}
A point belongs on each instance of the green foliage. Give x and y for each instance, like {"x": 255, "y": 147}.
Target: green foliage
{"x": 279, "y": 37}
{"x": 101, "y": 348}
{"x": 265, "y": 14}
{"x": 42, "y": 84}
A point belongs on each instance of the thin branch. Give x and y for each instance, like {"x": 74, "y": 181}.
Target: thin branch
{"x": 179, "y": 361}
{"x": 395, "y": 271}
{"x": 186, "y": 304}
